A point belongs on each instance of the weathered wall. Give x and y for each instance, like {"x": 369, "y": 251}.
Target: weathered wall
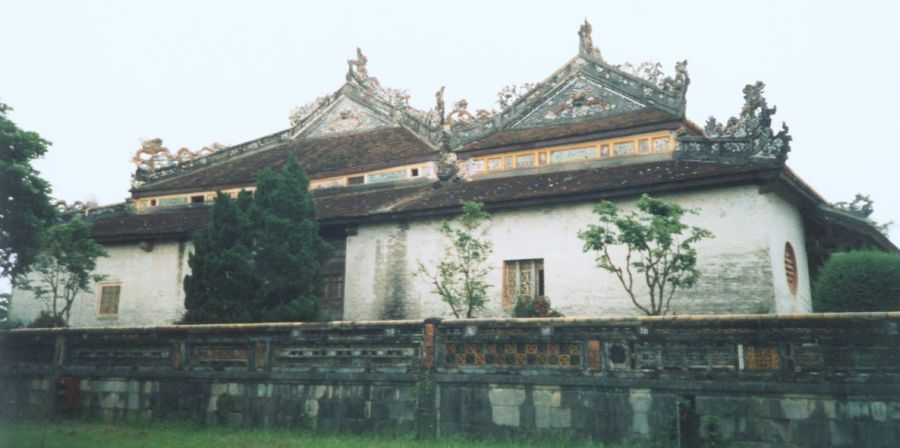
{"x": 769, "y": 381}
{"x": 740, "y": 271}
{"x": 786, "y": 225}
{"x": 151, "y": 288}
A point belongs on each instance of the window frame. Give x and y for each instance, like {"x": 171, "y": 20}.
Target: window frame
{"x": 538, "y": 280}
{"x": 100, "y": 288}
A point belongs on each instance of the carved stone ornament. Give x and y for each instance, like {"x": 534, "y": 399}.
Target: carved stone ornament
{"x": 748, "y": 137}
{"x": 586, "y": 41}
{"x": 152, "y": 155}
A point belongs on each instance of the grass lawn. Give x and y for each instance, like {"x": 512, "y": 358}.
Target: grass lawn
{"x": 74, "y": 434}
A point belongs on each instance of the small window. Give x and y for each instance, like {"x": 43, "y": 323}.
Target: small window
{"x": 153, "y": 202}
{"x": 197, "y": 199}
{"x": 356, "y": 180}
{"x": 109, "y": 300}
{"x": 522, "y": 279}
{"x": 790, "y": 267}
{"x": 414, "y": 172}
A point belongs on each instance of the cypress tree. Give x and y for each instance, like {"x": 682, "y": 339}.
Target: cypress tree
{"x": 260, "y": 258}
{"x": 221, "y": 284}
{"x": 288, "y": 249}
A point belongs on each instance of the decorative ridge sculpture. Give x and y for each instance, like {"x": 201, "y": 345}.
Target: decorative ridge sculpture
{"x": 152, "y": 155}
{"x": 747, "y": 137}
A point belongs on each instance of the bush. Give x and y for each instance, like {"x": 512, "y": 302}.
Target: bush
{"x": 537, "y": 307}
{"x": 858, "y": 281}
{"x": 47, "y": 320}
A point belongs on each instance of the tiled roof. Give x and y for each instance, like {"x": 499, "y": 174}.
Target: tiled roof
{"x": 624, "y": 122}
{"x": 365, "y": 204}
{"x": 322, "y": 157}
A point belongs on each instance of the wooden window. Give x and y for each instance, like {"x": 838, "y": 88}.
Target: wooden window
{"x": 197, "y": 199}
{"x": 414, "y": 172}
{"x": 356, "y": 180}
{"x": 522, "y": 278}
{"x": 333, "y": 287}
{"x": 790, "y": 267}
{"x": 109, "y": 300}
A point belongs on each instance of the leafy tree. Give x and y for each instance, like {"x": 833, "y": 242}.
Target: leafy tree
{"x": 221, "y": 282}
{"x": 858, "y": 281}
{"x": 25, "y": 208}
{"x": 260, "y": 258}
{"x": 63, "y": 268}
{"x": 460, "y": 276}
{"x": 659, "y": 248}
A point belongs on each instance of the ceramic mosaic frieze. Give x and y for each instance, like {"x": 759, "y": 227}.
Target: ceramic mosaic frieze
{"x": 579, "y": 99}
{"x": 346, "y": 116}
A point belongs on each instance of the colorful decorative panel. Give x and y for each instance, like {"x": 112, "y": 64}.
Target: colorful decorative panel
{"x": 493, "y": 164}
{"x": 643, "y": 146}
{"x": 604, "y": 150}
{"x": 508, "y": 162}
{"x": 624, "y": 148}
{"x": 660, "y": 144}
{"x": 762, "y": 358}
{"x": 580, "y": 99}
{"x": 222, "y": 356}
{"x": 686, "y": 356}
{"x": 569, "y": 155}
{"x": 539, "y": 354}
{"x": 387, "y": 176}
{"x": 167, "y": 202}
{"x": 525, "y": 161}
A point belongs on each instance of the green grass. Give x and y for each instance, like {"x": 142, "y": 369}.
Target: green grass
{"x": 76, "y": 434}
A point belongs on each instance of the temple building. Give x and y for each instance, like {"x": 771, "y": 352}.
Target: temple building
{"x": 385, "y": 175}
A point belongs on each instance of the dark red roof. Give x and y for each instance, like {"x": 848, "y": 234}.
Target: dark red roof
{"x": 321, "y": 157}
{"x": 367, "y": 204}
{"x": 539, "y": 135}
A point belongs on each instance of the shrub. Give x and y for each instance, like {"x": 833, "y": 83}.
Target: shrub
{"x": 47, "y": 320}
{"x": 858, "y": 281}
{"x": 537, "y": 307}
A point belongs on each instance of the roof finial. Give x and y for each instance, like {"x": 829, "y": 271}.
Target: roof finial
{"x": 586, "y": 46}
{"x": 358, "y": 65}
{"x": 439, "y": 105}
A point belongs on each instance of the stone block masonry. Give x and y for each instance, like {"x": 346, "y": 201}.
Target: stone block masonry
{"x": 806, "y": 380}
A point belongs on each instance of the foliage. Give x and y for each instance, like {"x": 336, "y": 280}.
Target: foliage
{"x": 659, "y": 248}
{"x": 459, "y": 278}
{"x": 858, "y": 281}
{"x": 4, "y": 306}
{"x": 25, "y": 208}
{"x": 862, "y": 206}
{"x": 47, "y": 320}
{"x": 536, "y": 307}
{"x": 221, "y": 280}
{"x": 260, "y": 258}
{"x": 63, "y": 268}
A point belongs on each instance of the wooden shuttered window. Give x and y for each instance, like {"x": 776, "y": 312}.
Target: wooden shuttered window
{"x": 522, "y": 279}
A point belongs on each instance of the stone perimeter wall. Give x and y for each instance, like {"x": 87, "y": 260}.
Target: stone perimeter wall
{"x": 770, "y": 380}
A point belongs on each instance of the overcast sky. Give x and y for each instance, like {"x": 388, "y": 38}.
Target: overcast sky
{"x": 96, "y": 77}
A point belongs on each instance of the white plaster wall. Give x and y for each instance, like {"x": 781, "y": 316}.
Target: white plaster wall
{"x": 736, "y": 265}
{"x": 786, "y": 225}
{"x": 151, "y": 282}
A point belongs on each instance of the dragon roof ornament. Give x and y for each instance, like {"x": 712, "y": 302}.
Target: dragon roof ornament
{"x": 746, "y": 137}
{"x": 152, "y": 155}
{"x": 389, "y": 105}
{"x": 589, "y": 76}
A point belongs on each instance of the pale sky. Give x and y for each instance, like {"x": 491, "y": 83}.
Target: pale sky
{"x": 96, "y": 77}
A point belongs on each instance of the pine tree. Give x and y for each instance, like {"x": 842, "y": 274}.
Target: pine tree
{"x": 260, "y": 258}
{"x": 221, "y": 284}
{"x": 289, "y": 251}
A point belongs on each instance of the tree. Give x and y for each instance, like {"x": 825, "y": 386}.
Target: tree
{"x": 260, "y": 258}
{"x": 459, "y": 278}
{"x": 25, "y": 208}
{"x": 659, "y": 248}
{"x": 288, "y": 249}
{"x": 63, "y": 268}
{"x": 858, "y": 281}
{"x": 221, "y": 282}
